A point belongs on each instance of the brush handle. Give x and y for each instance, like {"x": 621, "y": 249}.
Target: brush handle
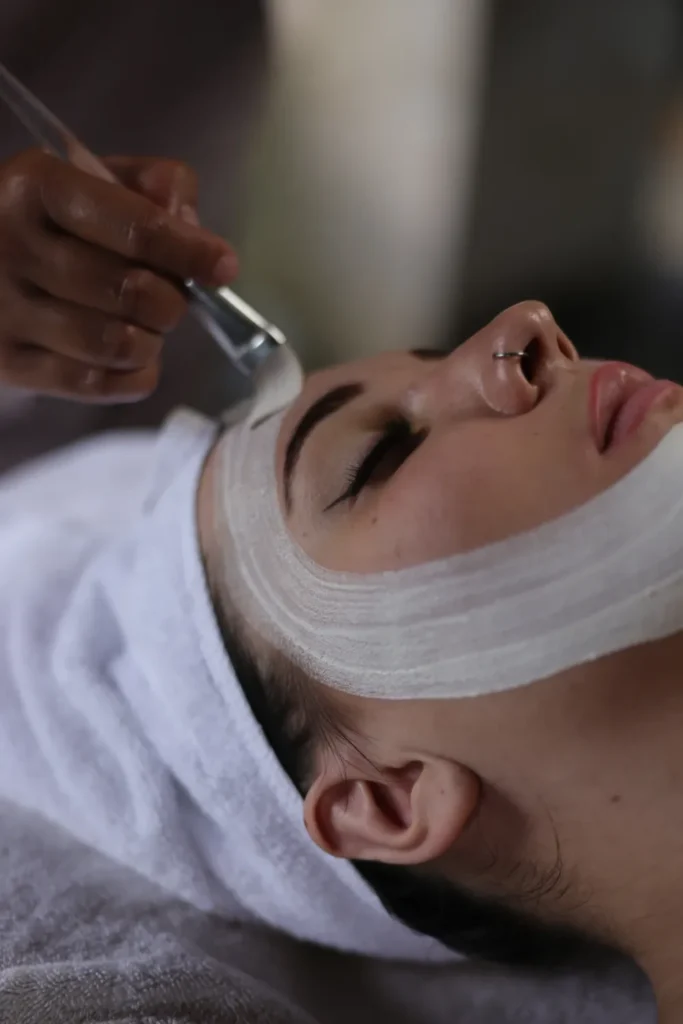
{"x": 242, "y": 333}
{"x": 245, "y": 337}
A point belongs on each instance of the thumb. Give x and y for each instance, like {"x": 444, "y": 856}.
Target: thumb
{"x": 170, "y": 184}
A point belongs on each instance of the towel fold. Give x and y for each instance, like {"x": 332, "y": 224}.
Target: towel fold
{"x": 121, "y": 718}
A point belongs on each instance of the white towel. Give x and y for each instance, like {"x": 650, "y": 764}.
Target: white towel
{"x": 84, "y": 940}
{"x": 120, "y": 715}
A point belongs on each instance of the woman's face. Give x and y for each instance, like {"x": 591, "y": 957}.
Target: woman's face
{"x": 405, "y": 458}
{"x": 408, "y": 457}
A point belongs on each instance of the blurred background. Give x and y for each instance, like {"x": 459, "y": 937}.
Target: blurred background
{"x": 393, "y": 172}
{"x": 426, "y": 164}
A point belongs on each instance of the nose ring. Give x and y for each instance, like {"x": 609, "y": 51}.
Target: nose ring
{"x": 509, "y": 355}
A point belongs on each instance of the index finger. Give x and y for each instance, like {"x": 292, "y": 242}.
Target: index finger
{"x": 126, "y": 223}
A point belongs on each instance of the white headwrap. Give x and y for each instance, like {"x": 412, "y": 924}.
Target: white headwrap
{"x": 121, "y": 717}
{"x": 603, "y": 577}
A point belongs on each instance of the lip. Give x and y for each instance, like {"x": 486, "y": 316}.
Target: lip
{"x": 621, "y": 396}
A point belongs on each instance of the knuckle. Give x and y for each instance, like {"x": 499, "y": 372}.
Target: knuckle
{"x": 184, "y": 178}
{"x": 91, "y": 339}
{"x": 150, "y": 301}
{"x": 174, "y": 171}
{"x": 173, "y": 176}
{"x": 137, "y": 293}
{"x": 142, "y": 233}
{"x": 86, "y": 381}
{"x": 177, "y": 168}
{"x": 127, "y": 346}
{"x": 114, "y": 342}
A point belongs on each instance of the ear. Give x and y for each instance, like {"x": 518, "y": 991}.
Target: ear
{"x": 407, "y": 815}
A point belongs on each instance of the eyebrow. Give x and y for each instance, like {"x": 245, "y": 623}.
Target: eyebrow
{"x": 332, "y": 401}
{"x": 329, "y": 403}
{"x": 429, "y": 353}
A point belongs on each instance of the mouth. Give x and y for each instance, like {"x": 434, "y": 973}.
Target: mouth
{"x": 621, "y": 396}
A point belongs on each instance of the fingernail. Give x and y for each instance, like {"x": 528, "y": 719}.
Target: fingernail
{"x": 189, "y": 215}
{"x": 225, "y": 270}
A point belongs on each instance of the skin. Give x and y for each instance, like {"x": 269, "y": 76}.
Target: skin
{"x": 90, "y": 273}
{"x": 495, "y": 791}
{"x": 489, "y": 429}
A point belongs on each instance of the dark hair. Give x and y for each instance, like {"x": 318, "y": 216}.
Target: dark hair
{"x": 294, "y": 719}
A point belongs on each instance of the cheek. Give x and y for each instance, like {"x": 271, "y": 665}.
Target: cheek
{"x": 609, "y": 728}
{"x": 469, "y": 489}
{"x": 472, "y": 485}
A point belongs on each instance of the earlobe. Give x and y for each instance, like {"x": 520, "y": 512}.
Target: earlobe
{"x": 409, "y": 815}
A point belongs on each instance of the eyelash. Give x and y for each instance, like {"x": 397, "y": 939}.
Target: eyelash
{"x": 397, "y": 443}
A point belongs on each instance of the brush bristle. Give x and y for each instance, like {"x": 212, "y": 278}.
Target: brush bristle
{"x": 277, "y": 383}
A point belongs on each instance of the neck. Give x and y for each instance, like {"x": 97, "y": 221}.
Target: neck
{"x": 671, "y": 1013}
{"x": 652, "y": 923}
{"x": 632, "y": 856}
{"x": 651, "y": 918}
{"x": 663, "y": 965}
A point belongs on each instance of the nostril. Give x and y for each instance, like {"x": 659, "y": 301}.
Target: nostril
{"x": 531, "y": 363}
{"x": 566, "y": 348}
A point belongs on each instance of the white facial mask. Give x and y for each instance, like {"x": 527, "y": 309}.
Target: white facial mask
{"x": 604, "y": 577}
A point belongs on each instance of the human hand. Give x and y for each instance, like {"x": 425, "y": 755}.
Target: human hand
{"x": 90, "y": 273}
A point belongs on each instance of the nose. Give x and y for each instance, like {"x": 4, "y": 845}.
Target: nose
{"x": 511, "y": 387}
{"x": 514, "y": 386}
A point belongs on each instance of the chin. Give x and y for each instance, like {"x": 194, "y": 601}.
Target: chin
{"x": 656, "y": 427}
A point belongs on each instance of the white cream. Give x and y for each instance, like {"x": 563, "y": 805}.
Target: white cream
{"x": 604, "y": 577}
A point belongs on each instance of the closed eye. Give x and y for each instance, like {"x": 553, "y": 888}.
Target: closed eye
{"x": 397, "y": 443}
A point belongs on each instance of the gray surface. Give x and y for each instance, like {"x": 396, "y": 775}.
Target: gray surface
{"x": 83, "y": 941}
